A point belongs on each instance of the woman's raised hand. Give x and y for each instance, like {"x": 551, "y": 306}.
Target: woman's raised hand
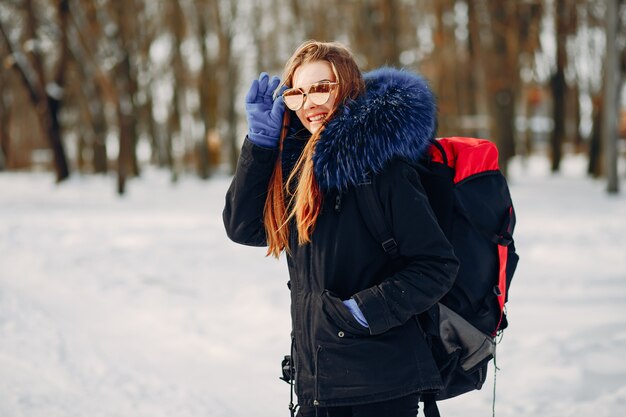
{"x": 264, "y": 113}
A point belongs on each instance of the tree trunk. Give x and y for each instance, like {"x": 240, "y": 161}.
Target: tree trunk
{"x": 388, "y": 33}
{"x": 231, "y": 115}
{"x": 503, "y": 77}
{"x": 127, "y": 161}
{"x": 4, "y": 122}
{"x": 558, "y": 86}
{"x": 56, "y": 140}
{"x": 100, "y": 159}
{"x": 126, "y": 88}
{"x": 125, "y": 143}
{"x": 447, "y": 97}
{"x": 479, "y": 102}
{"x": 177, "y": 21}
{"x": 94, "y": 135}
{"x": 611, "y": 96}
{"x": 208, "y": 99}
{"x": 50, "y": 112}
{"x": 596, "y": 166}
{"x": 503, "y": 111}
{"x": 227, "y": 80}
{"x": 96, "y": 86}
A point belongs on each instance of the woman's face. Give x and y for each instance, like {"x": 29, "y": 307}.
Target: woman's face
{"x": 310, "y": 114}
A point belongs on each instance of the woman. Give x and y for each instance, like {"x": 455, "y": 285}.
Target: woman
{"x": 358, "y": 349}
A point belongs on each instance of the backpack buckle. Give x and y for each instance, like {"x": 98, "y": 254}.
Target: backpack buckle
{"x": 389, "y": 245}
{"x": 505, "y": 239}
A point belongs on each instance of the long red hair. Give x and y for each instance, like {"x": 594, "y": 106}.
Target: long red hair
{"x": 305, "y": 201}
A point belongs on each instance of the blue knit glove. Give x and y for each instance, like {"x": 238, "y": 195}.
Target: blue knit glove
{"x": 264, "y": 114}
{"x": 356, "y": 311}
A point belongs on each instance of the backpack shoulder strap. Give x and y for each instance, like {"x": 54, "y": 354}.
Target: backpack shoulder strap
{"x": 372, "y": 212}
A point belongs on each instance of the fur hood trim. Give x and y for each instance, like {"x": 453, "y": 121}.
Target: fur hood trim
{"x": 395, "y": 118}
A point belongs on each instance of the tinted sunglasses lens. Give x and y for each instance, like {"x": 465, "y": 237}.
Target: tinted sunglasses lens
{"x": 293, "y": 99}
{"x": 320, "y": 93}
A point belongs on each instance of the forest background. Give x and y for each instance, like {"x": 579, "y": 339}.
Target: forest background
{"x": 113, "y": 86}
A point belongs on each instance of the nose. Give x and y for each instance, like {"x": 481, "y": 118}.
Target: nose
{"x": 308, "y": 104}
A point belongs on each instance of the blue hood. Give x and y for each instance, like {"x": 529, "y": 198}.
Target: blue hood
{"x": 395, "y": 118}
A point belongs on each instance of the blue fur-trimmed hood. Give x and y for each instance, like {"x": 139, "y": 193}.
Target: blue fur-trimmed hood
{"x": 395, "y": 118}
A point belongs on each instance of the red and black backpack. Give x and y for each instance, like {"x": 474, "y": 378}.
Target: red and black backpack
{"x": 471, "y": 200}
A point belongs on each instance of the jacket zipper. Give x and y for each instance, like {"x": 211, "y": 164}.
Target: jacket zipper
{"x": 296, "y": 328}
{"x": 316, "y": 402}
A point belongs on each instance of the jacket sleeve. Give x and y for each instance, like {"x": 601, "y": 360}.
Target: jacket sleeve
{"x": 245, "y": 199}
{"x": 429, "y": 264}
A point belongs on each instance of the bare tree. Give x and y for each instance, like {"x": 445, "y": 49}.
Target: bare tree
{"x": 208, "y": 92}
{"x": 4, "y": 112}
{"x": 224, "y": 17}
{"x": 499, "y": 42}
{"x": 96, "y": 86}
{"x": 45, "y": 92}
{"x": 611, "y": 87}
{"x": 593, "y": 19}
{"x": 557, "y": 82}
{"x": 124, "y": 13}
{"x": 447, "y": 61}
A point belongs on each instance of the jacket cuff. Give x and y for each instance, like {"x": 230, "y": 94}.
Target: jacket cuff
{"x": 264, "y": 141}
{"x": 250, "y": 152}
{"x": 374, "y": 310}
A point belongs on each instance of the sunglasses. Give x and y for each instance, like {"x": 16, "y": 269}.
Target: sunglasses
{"x": 318, "y": 93}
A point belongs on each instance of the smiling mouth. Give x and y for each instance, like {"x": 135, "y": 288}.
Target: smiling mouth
{"x": 317, "y": 118}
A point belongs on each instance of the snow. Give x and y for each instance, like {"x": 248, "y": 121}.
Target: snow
{"x": 140, "y": 306}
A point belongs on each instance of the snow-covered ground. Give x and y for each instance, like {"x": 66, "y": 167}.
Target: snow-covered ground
{"x": 140, "y": 306}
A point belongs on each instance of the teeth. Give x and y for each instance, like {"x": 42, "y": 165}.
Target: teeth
{"x": 317, "y": 117}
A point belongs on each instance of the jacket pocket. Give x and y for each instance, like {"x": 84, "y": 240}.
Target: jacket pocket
{"x": 383, "y": 366}
{"x": 341, "y": 317}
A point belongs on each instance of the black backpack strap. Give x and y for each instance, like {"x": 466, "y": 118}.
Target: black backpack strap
{"x": 372, "y": 212}
{"x": 430, "y": 407}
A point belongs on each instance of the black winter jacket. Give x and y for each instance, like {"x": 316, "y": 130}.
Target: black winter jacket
{"x": 338, "y": 361}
